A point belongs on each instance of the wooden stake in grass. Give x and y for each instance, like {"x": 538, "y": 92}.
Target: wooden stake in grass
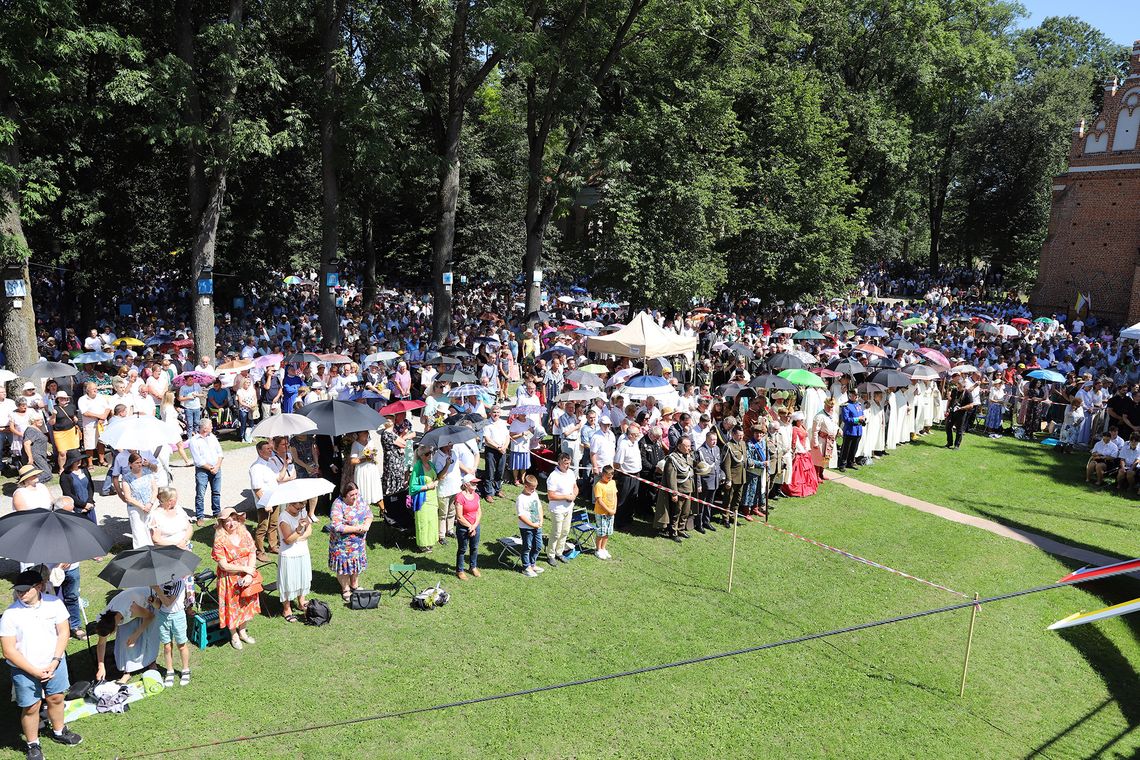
{"x": 732, "y": 559}
{"x": 969, "y": 646}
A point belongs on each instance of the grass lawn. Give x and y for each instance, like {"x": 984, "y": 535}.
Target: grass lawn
{"x": 1020, "y": 484}
{"x": 890, "y": 692}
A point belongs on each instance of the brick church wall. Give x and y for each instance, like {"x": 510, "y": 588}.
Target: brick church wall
{"x": 1093, "y": 242}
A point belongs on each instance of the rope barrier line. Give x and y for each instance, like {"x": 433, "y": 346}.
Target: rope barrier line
{"x": 813, "y": 542}
{"x": 626, "y": 673}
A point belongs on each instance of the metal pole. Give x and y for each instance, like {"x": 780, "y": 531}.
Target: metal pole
{"x": 969, "y": 646}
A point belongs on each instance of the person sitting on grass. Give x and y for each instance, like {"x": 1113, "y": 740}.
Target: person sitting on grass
{"x": 295, "y": 575}
{"x": 1129, "y": 453}
{"x": 130, "y": 617}
{"x": 605, "y": 507}
{"x": 1104, "y": 455}
{"x": 529, "y": 509}
{"x": 171, "y": 624}
{"x": 468, "y": 515}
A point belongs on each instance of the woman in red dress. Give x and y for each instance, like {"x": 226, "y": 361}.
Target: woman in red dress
{"x": 238, "y": 579}
{"x": 803, "y": 480}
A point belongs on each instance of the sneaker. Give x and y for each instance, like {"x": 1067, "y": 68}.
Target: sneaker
{"x": 538, "y": 569}
{"x": 475, "y": 572}
{"x": 603, "y": 554}
{"x": 34, "y": 752}
{"x": 66, "y": 736}
{"x": 185, "y": 679}
{"x": 530, "y": 573}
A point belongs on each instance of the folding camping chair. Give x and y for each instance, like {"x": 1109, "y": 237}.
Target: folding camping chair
{"x": 583, "y": 532}
{"x": 510, "y": 552}
{"x": 402, "y": 575}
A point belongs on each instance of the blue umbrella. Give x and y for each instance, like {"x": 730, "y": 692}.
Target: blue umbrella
{"x": 608, "y": 305}
{"x": 1047, "y": 375}
{"x": 871, "y": 331}
{"x": 93, "y": 357}
{"x": 578, "y": 289}
{"x": 586, "y": 331}
{"x": 648, "y": 381}
{"x": 553, "y": 350}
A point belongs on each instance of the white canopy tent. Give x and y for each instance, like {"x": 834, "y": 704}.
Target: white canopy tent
{"x": 1131, "y": 332}
{"x": 642, "y": 338}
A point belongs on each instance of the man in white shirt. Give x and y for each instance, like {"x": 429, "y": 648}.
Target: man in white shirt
{"x": 496, "y": 440}
{"x": 627, "y": 466}
{"x": 93, "y": 342}
{"x": 265, "y": 474}
{"x": 207, "y": 455}
{"x": 1104, "y": 455}
{"x": 616, "y": 411}
{"x": 602, "y": 447}
{"x": 561, "y": 491}
{"x": 34, "y": 634}
{"x": 453, "y": 465}
{"x": 1129, "y": 453}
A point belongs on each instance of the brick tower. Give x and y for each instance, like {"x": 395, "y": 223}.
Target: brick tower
{"x": 1093, "y": 244}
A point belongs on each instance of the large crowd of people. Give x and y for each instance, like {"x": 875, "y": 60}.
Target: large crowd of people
{"x": 710, "y": 438}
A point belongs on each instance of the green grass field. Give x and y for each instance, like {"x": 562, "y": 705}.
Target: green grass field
{"x": 890, "y": 692}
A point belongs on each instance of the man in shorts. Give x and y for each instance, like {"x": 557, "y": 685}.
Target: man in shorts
{"x": 34, "y": 633}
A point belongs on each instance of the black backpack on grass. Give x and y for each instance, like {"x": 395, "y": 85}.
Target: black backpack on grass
{"x": 317, "y": 613}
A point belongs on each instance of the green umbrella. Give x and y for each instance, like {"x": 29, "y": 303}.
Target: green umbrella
{"x": 809, "y": 335}
{"x": 912, "y": 321}
{"x": 595, "y": 368}
{"x": 802, "y": 377}
{"x": 1045, "y": 320}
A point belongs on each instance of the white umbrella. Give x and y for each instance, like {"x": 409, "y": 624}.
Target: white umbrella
{"x": 139, "y": 434}
{"x": 964, "y": 369}
{"x": 284, "y": 424}
{"x": 621, "y": 376}
{"x": 1007, "y": 331}
{"x": 383, "y": 356}
{"x": 565, "y": 299}
{"x": 804, "y": 357}
{"x": 586, "y": 394}
{"x": 301, "y": 489}
{"x": 785, "y": 331}
{"x": 7, "y": 375}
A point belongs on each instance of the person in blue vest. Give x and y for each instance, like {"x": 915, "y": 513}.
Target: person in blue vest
{"x": 853, "y": 418}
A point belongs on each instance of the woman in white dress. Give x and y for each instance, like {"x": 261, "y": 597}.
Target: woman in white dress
{"x": 366, "y": 472}
{"x": 824, "y": 452}
{"x": 169, "y": 416}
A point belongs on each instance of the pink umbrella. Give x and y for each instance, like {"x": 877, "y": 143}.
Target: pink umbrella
{"x": 935, "y": 356}
{"x": 824, "y": 372}
{"x": 195, "y": 377}
{"x": 573, "y": 322}
{"x": 268, "y": 360}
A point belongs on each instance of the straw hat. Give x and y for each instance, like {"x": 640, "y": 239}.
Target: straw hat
{"x": 28, "y": 471}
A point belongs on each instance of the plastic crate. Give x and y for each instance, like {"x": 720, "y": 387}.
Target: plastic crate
{"x": 204, "y": 629}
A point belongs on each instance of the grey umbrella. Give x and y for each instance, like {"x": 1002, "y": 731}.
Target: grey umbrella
{"x": 920, "y": 372}
{"x": 891, "y": 378}
{"x": 51, "y": 537}
{"x": 149, "y": 566}
{"x": 849, "y": 367}
{"x": 340, "y": 417}
{"x": 448, "y": 434}
{"x": 771, "y": 382}
{"x": 785, "y": 361}
{"x": 588, "y": 379}
{"x": 45, "y": 370}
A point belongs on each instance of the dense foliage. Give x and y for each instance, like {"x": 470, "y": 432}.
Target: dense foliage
{"x": 662, "y": 148}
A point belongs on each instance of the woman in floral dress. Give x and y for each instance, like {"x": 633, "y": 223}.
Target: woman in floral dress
{"x": 348, "y": 557}
{"x": 235, "y": 553}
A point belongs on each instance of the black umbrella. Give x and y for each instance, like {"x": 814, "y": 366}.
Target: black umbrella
{"x": 447, "y": 361}
{"x": 903, "y": 344}
{"x": 50, "y": 537}
{"x": 742, "y": 350}
{"x": 882, "y": 362}
{"x": 301, "y": 358}
{"x": 340, "y": 417}
{"x": 838, "y": 326}
{"x": 729, "y": 390}
{"x": 869, "y": 388}
{"x": 457, "y": 376}
{"x": 538, "y": 316}
{"x": 785, "y": 361}
{"x": 447, "y": 434}
{"x": 45, "y": 370}
{"x": 454, "y": 350}
{"x": 849, "y": 367}
{"x": 891, "y": 378}
{"x": 149, "y": 566}
{"x": 455, "y": 419}
{"x": 772, "y": 383}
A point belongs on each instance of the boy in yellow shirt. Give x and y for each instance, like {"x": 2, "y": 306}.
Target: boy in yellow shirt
{"x": 605, "y": 506}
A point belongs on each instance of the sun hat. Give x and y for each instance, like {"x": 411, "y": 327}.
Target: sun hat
{"x": 27, "y": 471}
{"x": 228, "y": 512}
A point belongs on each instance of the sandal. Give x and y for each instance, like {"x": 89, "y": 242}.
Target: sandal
{"x": 168, "y": 679}
{"x": 235, "y": 642}
{"x": 346, "y": 595}
{"x": 291, "y": 618}
{"x": 185, "y": 679}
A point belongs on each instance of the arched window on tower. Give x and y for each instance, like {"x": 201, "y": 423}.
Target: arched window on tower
{"x": 1097, "y": 139}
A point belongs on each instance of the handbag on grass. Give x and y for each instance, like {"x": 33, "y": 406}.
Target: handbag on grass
{"x": 364, "y": 599}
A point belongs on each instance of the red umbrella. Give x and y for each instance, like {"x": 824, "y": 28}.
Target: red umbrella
{"x": 1019, "y": 321}
{"x": 868, "y": 348}
{"x": 397, "y": 407}
{"x": 825, "y": 372}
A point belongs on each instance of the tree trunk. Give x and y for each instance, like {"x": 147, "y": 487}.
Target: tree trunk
{"x": 939, "y": 188}
{"x": 333, "y": 11}
{"x": 368, "y": 246}
{"x": 17, "y": 326}
{"x": 443, "y": 241}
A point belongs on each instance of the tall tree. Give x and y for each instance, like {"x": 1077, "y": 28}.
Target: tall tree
{"x": 209, "y": 152}
{"x": 331, "y": 22}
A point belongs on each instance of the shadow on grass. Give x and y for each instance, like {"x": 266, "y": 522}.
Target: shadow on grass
{"x": 990, "y": 511}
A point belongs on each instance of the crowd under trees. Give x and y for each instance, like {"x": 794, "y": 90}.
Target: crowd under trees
{"x": 660, "y": 147}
